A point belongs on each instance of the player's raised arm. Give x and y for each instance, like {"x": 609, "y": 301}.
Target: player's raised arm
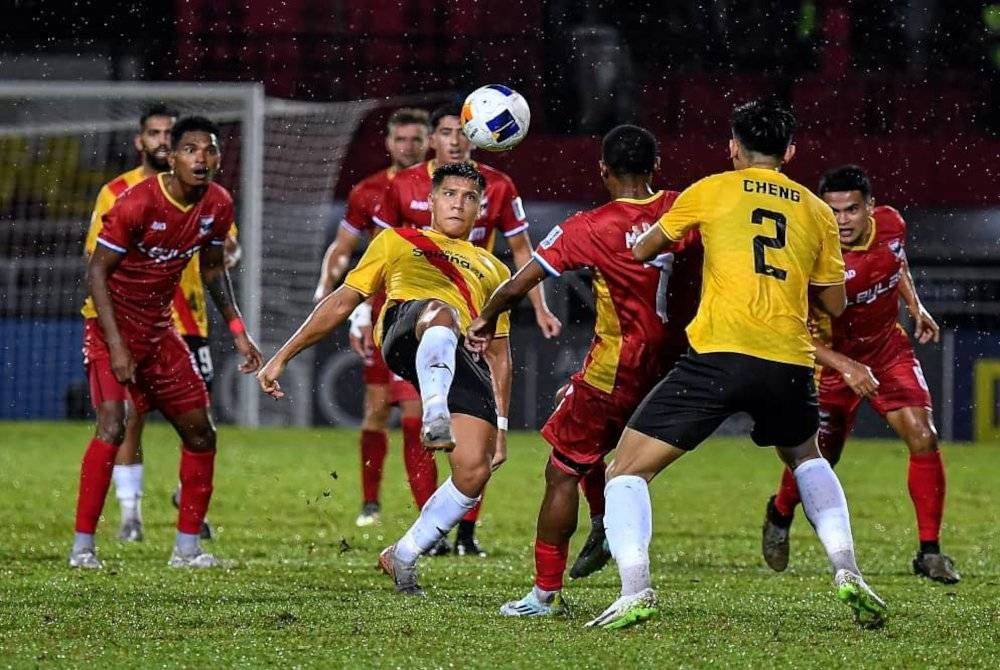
{"x": 103, "y": 262}
{"x": 520, "y": 249}
{"x": 507, "y": 295}
{"x": 216, "y": 278}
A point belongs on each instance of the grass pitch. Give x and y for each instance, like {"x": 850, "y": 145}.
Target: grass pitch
{"x": 304, "y": 592}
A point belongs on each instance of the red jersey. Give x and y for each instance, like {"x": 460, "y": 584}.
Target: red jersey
{"x": 405, "y": 204}
{"x": 873, "y": 270}
{"x": 363, "y": 202}
{"x": 158, "y": 236}
{"x": 642, "y": 308}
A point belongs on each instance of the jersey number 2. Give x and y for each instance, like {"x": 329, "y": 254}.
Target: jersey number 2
{"x": 760, "y": 242}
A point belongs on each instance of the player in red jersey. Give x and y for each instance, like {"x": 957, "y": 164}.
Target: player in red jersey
{"x": 869, "y": 356}
{"x": 642, "y": 310}
{"x": 405, "y": 204}
{"x": 406, "y": 142}
{"x": 131, "y": 349}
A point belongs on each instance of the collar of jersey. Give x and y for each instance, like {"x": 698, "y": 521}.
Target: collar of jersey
{"x": 640, "y": 201}
{"x": 166, "y": 194}
{"x": 868, "y": 242}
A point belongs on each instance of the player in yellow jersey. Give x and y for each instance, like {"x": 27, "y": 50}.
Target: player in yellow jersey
{"x": 189, "y": 315}
{"x": 770, "y": 245}
{"x": 435, "y": 281}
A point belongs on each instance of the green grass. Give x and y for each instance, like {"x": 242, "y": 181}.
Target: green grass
{"x": 304, "y": 591}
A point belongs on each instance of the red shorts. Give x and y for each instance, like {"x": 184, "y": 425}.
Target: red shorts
{"x": 377, "y": 372}
{"x": 166, "y": 375}
{"x": 586, "y": 425}
{"x": 901, "y": 384}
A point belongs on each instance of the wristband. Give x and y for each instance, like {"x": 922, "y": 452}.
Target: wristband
{"x": 236, "y": 327}
{"x": 501, "y": 423}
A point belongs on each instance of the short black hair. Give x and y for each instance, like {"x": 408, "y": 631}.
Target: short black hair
{"x": 463, "y": 170}
{"x": 629, "y": 150}
{"x": 764, "y": 126}
{"x": 192, "y": 124}
{"x": 846, "y": 178}
{"x": 406, "y": 116}
{"x": 447, "y": 109}
{"x": 157, "y": 109}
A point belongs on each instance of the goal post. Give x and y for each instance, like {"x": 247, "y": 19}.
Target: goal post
{"x": 60, "y": 141}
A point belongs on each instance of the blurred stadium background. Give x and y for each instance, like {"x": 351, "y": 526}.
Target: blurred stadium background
{"x": 910, "y": 90}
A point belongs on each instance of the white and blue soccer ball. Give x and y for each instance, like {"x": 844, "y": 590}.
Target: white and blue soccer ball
{"x": 495, "y": 117}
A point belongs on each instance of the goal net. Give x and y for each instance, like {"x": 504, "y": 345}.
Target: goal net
{"x": 60, "y": 142}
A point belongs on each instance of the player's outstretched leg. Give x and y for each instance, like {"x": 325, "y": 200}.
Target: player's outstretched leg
{"x": 556, "y": 525}
{"x": 127, "y": 476}
{"x": 197, "y": 471}
{"x": 475, "y": 440}
{"x": 595, "y": 553}
{"x": 825, "y": 506}
{"x": 95, "y": 480}
{"x": 435, "y": 364}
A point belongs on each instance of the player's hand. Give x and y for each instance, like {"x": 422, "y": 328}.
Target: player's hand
{"x": 926, "y": 328}
{"x": 548, "y": 323}
{"x": 860, "y": 378}
{"x": 323, "y": 289}
{"x": 480, "y": 332}
{"x": 500, "y": 454}
{"x": 251, "y": 354}
{"x": 122, "y": 363}
{"x": 364, "y": 346}
{"x": 268, "y": 378}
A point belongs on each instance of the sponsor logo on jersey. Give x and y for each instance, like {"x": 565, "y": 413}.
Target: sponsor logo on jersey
{"x": 551, "y": 238}
{"x": 164, "y": 254}
{"x": 450, "y": 257}
{"x": 420, "y": 205}
{"x": 159, "y": 225}
{"x": 851, "y": 273}
{"x": 870, "y": 295}
{"x": 205, "y": 224}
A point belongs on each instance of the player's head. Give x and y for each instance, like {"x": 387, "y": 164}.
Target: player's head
{"x": 406, "y": 136}
{"x": 629, "y": 153}
{"x": 848, "y": 191}
{"x": 194, "y": 150}
{"x": 456, "y": 192}
{"x": 153, "y": 139}
{"x": 448, "y": 140}
{"x": 762, "y": 134}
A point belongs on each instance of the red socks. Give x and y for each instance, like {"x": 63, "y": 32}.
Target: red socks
{"x": 374, "y": 444}
{"x": 197, "y": 471}
{"x": 421, "y": 468}
{"x": 788, "y": 494}
{"x": 95, "y": 479}
{"x": 926, "y": 483}
{"x": 592, "y": 484}
{"x": 550, "y": 564}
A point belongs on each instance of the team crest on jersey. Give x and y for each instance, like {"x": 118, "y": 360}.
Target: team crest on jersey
{"x": 158, "y": 225}
{"x": 896, "y": 247}
{"x": 551, "y": 238}
{"x": 477, "y": 234}
{"x": 420, "y": 205}
{"x": 205, "y": 224}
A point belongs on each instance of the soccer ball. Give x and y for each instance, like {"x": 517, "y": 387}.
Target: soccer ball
{"x": 495, "y": 117}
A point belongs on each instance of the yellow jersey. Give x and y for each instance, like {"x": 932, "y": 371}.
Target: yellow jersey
{"x": 408, "y": 272}
{"x": 766, "y": 239}
{"x": 189, "y": 309}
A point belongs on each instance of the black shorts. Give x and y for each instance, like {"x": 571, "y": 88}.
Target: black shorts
{"x": 703, "y": 390}
{"x": 202, "y": 357}
{"x": 471, "y": 387}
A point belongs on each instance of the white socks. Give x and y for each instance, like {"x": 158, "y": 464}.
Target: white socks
{"x": 442, "y": 511}
{"x": 187, "y": 543}
{"x": 628, "y": 524}
{"x": 826, "y": 508}
{"x": 435, "y": 368}
{"x": 128, "y": 490}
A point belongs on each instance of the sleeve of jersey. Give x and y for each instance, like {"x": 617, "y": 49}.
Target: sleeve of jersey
{"x": 105, "y": 200}
{"x": 119, "y": 223}
{"x": 684, "y": 214}
{"x": 513, "y": 220}
{"x": 829, "y": 267}
{"x": 566, "y": 247}
{"x": 368, "y": 276}
{"x": 388, "y": 214}
{"x": 223, "y": 225}
{"x": 354, "y": 216}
